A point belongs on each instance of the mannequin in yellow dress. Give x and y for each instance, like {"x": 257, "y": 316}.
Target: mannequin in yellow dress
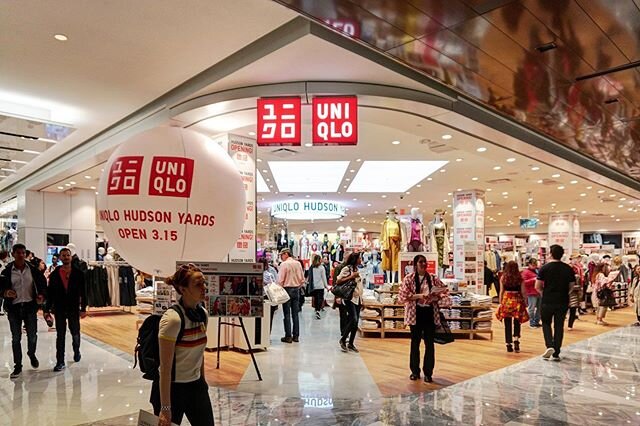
{"x": 390, "y": 239}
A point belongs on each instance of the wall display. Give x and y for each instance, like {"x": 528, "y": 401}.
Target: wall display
{"x": 390, "y": 241}
{"x": 279, "y": 121}
{"x": 307, "y": 209}
{"x": 564, "y": 230}
{"x": 233, "y": 289}
{"x": 468, "y": 224}
{"x": 169, "y": 194}
{"x": 243, "y": 153}
{"x": 334, "y": 120}
{"x": 406, "y": 267}
{"x": 162, "y": 297}
{"x": 473, "y": 274}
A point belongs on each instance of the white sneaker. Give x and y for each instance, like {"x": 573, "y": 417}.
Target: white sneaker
{"x": 547, "y": 354}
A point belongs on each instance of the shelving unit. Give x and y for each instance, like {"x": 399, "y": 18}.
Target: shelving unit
{"x": 621, "y": 295}
{"x": 473, "y": 320}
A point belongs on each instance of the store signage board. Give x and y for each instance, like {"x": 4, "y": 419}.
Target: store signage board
{"x": 335, "y": 120}
{"x": 307, "y": 209}
{"x": 158, "y": 202}
{"x": 279, "y": 121}
{"x": 349, "y": 27}
{"x": 562, "y": 231}
{"x": 233, "y": 289}
{"x": 406, "y": 267}
{"x": 468, "y": 225}
{"x": 529, "y": 223}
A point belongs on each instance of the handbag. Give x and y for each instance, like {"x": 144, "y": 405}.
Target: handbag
{"x": 443, "y": 333}
{"x": 344, "y": 290}
{"x": 276, "y": 294}
{"x": 605, "y": 297}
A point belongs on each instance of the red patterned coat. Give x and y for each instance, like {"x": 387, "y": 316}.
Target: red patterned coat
{"x": 437, "y": 300}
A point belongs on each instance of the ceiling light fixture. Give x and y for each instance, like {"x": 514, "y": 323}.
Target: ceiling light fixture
{"x": 511, "y": 160}
{"x": 87, "y": 177}
{"x": 561, "y": 187}
{"x": 92, "y": 187}
{"x": 474, "y": 179}
{"x": 395, "y": 142}
{"x": 294, "y": 176}
{"x": 481, "y": 149}
{"x": 18, "y": 161}
{"x": 458, "y": 160}
{"x": 61, "y": 187}
{"x": 573, "y": 182}
{"x": 60, "y": 37}
{"x": 28, "y": 151}
{"x": 557, "y": 175}
{"x": 446, "y": 137}
{"x": 583, "y": 194}
{"x": 540, "y": 181}
{"x": 261, "y": 184}
{"x": 252, "y": 133}
{"x": 497, "y": 168}
{"x": 535, "y": 168}
{"x": 308, "y": 145}
{"x": 8, "y": 170}
{"x": 601, "y": 191}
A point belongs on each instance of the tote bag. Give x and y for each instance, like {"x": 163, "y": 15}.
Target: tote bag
{"x": 276, "y": 294}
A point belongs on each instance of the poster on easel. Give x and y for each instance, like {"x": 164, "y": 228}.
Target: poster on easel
{"x": 233, "y": 289}
{"x": 406, "y": 267}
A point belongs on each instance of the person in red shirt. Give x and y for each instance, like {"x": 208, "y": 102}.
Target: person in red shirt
{"x": 68, "y": 301}
{"x": 529, "y": 275}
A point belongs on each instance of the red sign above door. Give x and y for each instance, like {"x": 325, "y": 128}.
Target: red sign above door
{"x": 279, "y": 121}
{"x": 335, "y": 120}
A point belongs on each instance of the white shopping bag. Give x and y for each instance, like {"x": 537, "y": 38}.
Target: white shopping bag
{"x": 148, "y": 419}
{"x": 276, "y": 294}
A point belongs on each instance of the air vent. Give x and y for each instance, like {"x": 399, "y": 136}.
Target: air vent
{"x": 498, "y": 181}
{"x": 608, "y": 200}
{"x": 619, "y": 68}
{"x": 437, "y": 146}
{"x": 284, "y": 152}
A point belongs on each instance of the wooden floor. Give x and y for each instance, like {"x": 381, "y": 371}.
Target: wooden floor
{"x": 387, "y": 359}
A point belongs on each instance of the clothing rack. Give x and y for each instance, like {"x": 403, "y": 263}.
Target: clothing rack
{"x": 108, "y": 310}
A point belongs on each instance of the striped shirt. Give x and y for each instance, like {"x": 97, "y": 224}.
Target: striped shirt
{"x": 189, "y": 353}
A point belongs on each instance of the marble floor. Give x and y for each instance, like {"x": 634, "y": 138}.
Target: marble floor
{"x": 595, "y": 383}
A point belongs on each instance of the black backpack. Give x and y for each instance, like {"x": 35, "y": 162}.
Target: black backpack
{"x": 147, "y": 352}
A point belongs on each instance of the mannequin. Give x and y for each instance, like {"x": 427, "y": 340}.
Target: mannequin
{"x": 101, "y": 253}
{"x": 294, "y": 245}
{"x": 282, "y": 240}
{"x": 315, "y": 246}
{"x": 334, "y": 250}
{"x": 439, "y": 232}
{"x": 390, "y": 239}
{"x": 325, "y": 244}
{"x": 416, "y": 236}
{"x": 304, "y": 246}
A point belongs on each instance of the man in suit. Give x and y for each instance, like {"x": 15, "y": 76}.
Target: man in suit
{"x": 23, "y": 287}
{"x": 68, "y": 301}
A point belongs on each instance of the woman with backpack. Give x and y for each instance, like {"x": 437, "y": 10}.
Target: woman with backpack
{"x": 181, "y": 387}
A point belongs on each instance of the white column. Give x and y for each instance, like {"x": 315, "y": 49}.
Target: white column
{"x": 468, "y": 238}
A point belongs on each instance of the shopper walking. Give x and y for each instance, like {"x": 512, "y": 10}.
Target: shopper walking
{"x": 4, "y": 261}
{"x": 512, "y": 309}
{"x": 602, "y": 295}
{"x": 554, "y": 283}
{"x": 575, "y": 296}
{"x": 291, "y": 277}
{"x": 67, "y": 300}
{"x": 634, "y": 292}
{"x": 529, "y": 276}
{"x": 23, "y": 288}
{"x": 423, "y": 295}
{"x": 317, "y": 283}
{"x": 352, "y": 307}
{"x": 181, "y": 388}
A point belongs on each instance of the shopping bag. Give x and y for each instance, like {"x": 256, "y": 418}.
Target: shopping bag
{"x": 276, "y": 294}
{"x": 443, "y": 333}
{"x": 147, "y": 419}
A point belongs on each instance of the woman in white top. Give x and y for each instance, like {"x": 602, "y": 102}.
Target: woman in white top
{"x": 269, "y": 276}
{"x": 352, "y": 307}
{"x": 182, "y": 388}
{"x": 317, "y": 283}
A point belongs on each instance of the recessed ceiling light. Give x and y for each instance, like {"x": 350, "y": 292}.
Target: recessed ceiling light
{"x": 448, "y": 206}
{"x": 561, "y": 187}
{"x": 497, "y": 168}
{"x": 268, "y": 180}
{"x": 8, "y": 170}
{"x": 28, "y": 151}
{"x": 61, "y": 187}
{"x": 60, "y": 37}
{"x": 505, "y": 193}
{"x": 429, "y": 179}
{"x": 369, "y": 205}
{"x": 446, "y": 137}
{"x": 459, "y": 189}
{"x": 18, "y": 161}
{"x": 573, "y": 209}
{"x": 259, "y": 160}
{"x": 420, "y": 202}
{"x": 87, "y": 177}
{"x": 553, "y": 204}
{"x": 368, "y": 177}
{"x": 505, "y": 197}
{"x": 622, "y": 199}
{"x": 489, "y": 189}
{"x": 252, "y": 133}
{"x": 72, "y": 182}
{"x": 620, "y": 206}
{"x": 443, "y": 170}
{"x": 395, "y": 142}
{"x": 583, "y": 194}
{"x": 535, "y": 168}
{"x": 514, "y": 207}
{"x": 67, "y": 184}
{"x": 408, "y": 193}
{"x": 92, "y": 187}
{"x": 347, "y": 179}
{"x": 458, "y": 160}
{"x": 617, "y": 220}
{"x": 583, "y": 212}
{"x": 499, "y": 214}
{"x": 573, "y": 182}
{"x": 307, "y": 196}
{"x": 449, "y": 193}
{"x": 510, "y": 160}
{"x": 418, "y": 186}
{"x": 601, "y": 191}
{"x": 474, "y": 178}
{"x": 612, "y": 195}
{"x": 445, "y": 200}
{"x": 97, "y": 193}
{"x": 481, "y": 149}
{"x": 557, "y": 175}
{"x": 383, "y": 196}
{"x": 612, "y": 216}
{"x": 540, "y": 181}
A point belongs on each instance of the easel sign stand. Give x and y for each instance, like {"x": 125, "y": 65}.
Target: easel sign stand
{"x": 234, "y": 290}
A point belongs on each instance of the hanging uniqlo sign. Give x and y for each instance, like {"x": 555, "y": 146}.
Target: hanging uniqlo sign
{"x": 335, "y": 120}
{"x": 279, "y": 121}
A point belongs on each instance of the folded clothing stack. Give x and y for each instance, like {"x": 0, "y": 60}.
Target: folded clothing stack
{"x": 370, "y": 313}
{"x": 387, "y": 300}
{"x": 389, "y": 324}
{"x": 400, "y": 325}
{"x": 399, "y": 312}
{"x": 388, "y": 312}
{"x": 454, "y": 325}
{"x": 484, "y": 314}
{"x": 465, "y": 325}
{"x": 480, "y": 300}
{"x": 483, "y": 325}
{"x": 369, "y": 324}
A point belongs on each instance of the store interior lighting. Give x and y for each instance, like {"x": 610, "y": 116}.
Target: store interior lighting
{"x": 296, "y": 176}
{"x": 399, "y": 175}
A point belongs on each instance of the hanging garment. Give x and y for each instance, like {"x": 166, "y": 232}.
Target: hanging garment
{"x": 96, "y": 280}
{"x": 127, "y": 286}
{"x": 114, "y": 285}
{"x": 440, "y": 242}
{"x": 390, "y": 242}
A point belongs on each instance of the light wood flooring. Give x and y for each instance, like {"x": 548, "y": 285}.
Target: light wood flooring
{"x": 387, "y": 359}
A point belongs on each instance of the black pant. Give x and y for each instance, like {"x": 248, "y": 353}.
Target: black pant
{"x": 351, "y": 325}
{"x": 557, "y": 314}
{"x": 424, "y": 329}
{"x": 318, "y": 299}
{"x": 291, "y": 310}
{"x": 73, "y": 319}
{"x": 572, "y": 316}
{"x": 273, "y": 313}
{"x": 511, "y": 325}
{"x": 190, "y": 398}
{"x": 343, "y": 317}
{"x": 19, "y": 313}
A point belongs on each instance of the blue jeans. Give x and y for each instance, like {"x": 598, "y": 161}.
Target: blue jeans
{"x": 534, "y": 310}
{"x": 291, "y": 311}
{"x": 23, "y": 312}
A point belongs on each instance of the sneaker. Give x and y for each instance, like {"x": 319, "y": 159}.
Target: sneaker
{"x": 317, "y": 314}
{"x": 516, "y": 346}
{"x": 343, "y": 346}
{"x": 547, "y": 354}
{"x": 34, "y": 361}
{"x": 556, "y": 358}
{"x": 59, "y": 367}
{"x": 16, "y": 373}
{"x": 352, "y": 348}
{"x": 286, "y": 340}
{"x": 509, "y": 347}
{"x": 77, "y": 357}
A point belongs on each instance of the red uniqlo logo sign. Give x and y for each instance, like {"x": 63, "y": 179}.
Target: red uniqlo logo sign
{"x": 335, "y": 120}
{"x": 171, "y": 176}
{"x": 124, "y": 176}
{"x": 279, "y": 121}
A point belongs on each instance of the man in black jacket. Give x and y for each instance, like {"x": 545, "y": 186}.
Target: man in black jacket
{"x": 23, "y": 288}
{"x": 68, "y": 302}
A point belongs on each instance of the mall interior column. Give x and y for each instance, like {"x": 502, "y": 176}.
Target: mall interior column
{"x": 72, "y": 212}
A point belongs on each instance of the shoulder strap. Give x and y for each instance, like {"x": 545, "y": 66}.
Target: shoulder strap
{"x": 178, "y": 309}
